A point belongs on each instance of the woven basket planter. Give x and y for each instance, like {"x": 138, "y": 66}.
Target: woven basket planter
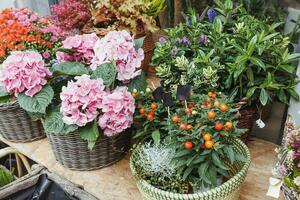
{"x": 17, "y": 126}
{"x": 230, "y": 190}
{"x": 246, "y": 121}
{"x": 72, "y": 152}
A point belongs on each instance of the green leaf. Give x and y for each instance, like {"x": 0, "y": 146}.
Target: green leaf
{"x": 187, "y": 172}
{"x": 182, "y": 153}
{"x": 202, "y": 170}
{"x": 250, "y": 75}
{"x": 231, "y": 154}
{"x": 293, "y": 57}
{"x": 54, "y": 124}
{"x": 90, "y": 133}
{"x": 282, "y": 96}
{"x": 138, "y": 43}
{"x": 156, "y": 136}
{"x": 139, "y": 83}
{"x": 263, "y": 97}
{"x": 250, "y": 92}
{"x": 218, "y": 26}
{"x": 212, "y": 172}
{"x": 228, "y": 5}
{"x": 223, "y": 172}
{"x": 3, "y": 93}
{"x": 294, "y": 94}
{"x": 258, "y": 62}
{"x": 69, "y": 68}
{"x": 288, "y": 68}
{"x": 35, "y": 116}
{"x": 251, "y": 45}
{"x": 39, "y": 102}
{"x": 216, "y": 160}
{"x": 107, "y": 72}
{"x": 268, "y": 37}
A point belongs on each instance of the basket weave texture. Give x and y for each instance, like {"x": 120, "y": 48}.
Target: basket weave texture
{"x": 72, "y": 152}
{"x": 246, "y": 121}
{"x": 17, "y": 126}
{"x": 230, "y": 190}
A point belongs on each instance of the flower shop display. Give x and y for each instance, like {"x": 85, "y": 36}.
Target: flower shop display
{"x": 24, "y": 95}
{"x": 187, "y": 150}
{"x": 229, "y": 51}
{"x": 21, "y": 29}
{"x": 288, "y": 167}
{"x": 96, "y": 80}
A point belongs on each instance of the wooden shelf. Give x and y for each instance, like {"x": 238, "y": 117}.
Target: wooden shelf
{"x": 117, "y": 183}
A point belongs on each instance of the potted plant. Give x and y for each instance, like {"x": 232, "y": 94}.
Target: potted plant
{"x": 96, "y": 80}
{"x": 232, "y": 52}
{"x": 186, "y": 150}
{"x": 28, "y": 47}
{"x": 287, "y": 169}
{"x": 135, "y": 16}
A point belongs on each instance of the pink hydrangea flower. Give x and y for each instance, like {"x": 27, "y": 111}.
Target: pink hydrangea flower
{"x": 24, "y": 71}
{"x": 82, "y": 45}
{"x": 118, "y": 46}
{"x": 118, "y": 108}
{"x": 81, "y": 100}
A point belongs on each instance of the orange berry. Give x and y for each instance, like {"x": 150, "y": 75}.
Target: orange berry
{"x": 187, "y": 111}
{"x": 188, "y": 145}
{"x": 150, "y": 117}
{"x": 153, "y": 106}
{"x": 224, "y": 108}
{"x": 209, "y": 144}
{"x": 210, "y": 94}
{"x": 142, "y": 111}
{"x": 191, "y": 105}
{"x": 228, "y": 126}
{"x": 176, "y": 119}
{"x": 218, "y": 126}
{"x": 188, "y": 127}
{"x": 203, "y": 106}
{"x": 208, "y": 100}
{"x": 134, "y": 94}
{"x": 217, "y": 103}
{"x": 211, "y": 115}
{"x": 214, "y": 95}
{"x": 222, "y": 135}
{"x": 207, "y": 137}
{"x": 183, "y": 126}
{"x": 209, "y": 105}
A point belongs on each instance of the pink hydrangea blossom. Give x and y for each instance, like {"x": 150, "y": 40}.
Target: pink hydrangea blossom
{"x": 24, "y": 71}
{"x": 118, "y": 108}
{"x": 118, "y": 46}
{"x": 82, "y": 45}
{"x": 81, "y": 100}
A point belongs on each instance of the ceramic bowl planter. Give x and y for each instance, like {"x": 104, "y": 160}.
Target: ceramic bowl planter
{"x": 230, "y": 190}
{"x": 17, "y": 126}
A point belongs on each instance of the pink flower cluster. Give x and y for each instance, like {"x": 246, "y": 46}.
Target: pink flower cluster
{"x": 118, "y": 46}
{"x": 118, "y": 109}
{"x": 82, "y": 45}
{"x": 24, "y": 71}
{"x": 84, "y": 99}
{"x": 25, "y": 16}
{"x": 81, "y": 100}
{"x": 71, "y": 14}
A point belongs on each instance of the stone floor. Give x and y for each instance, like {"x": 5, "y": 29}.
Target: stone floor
{"x": 117, "y": 183}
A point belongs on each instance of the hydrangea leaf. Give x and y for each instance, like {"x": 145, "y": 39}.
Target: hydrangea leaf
{"x": 39, "y": 102}
{"x": 69, "y": 68}
{"x": 54, "y": 124}
{"x": 138, "y": 43}
{"x": 90, "y": 133}
{"x": 107, "y": 72}
{"x": 4, "y": 96}
{"x": 139, "y": 83}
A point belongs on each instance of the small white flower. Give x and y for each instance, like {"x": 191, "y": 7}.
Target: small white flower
{"x": 297, "y": 181}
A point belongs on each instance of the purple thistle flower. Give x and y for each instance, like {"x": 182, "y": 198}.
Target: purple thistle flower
{"x": 202, "y": 39}
{"x": 163, "y": 39}
{"x": 211, "y": 15}
{"x": 174, "y": 51}
{"x": 295, "y": 155}
{"x": 185, "y": 41}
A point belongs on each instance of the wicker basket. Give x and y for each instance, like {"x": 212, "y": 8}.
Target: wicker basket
{"x": 230, "y": 190}
{"x": 17, "y": 126}
{"x": 72, "y": 152}
{"x": 246, "y": 121}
